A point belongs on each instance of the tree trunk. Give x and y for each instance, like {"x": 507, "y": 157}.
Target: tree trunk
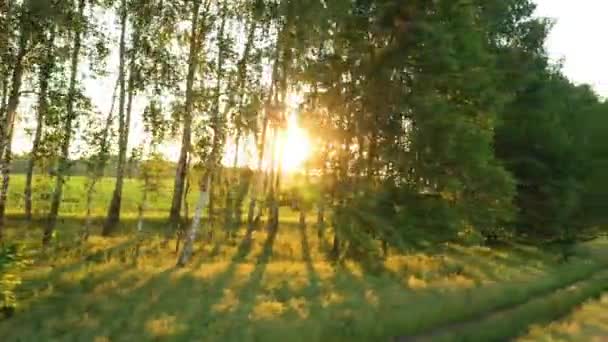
{"x": 86, "y": 231}
{"x": 142, "y": 208}
{"x": 217, "y": 123}
{"x": 182, "y": 164}
{"x": 335, "y": 249}
{"x": 183, "y": 226}
{"x": 304, "y": 206}
{"x": 65, "y": 145}
{"x": 203, "y": 200}
{"x": 235, "y": 203}
{"x": 6, "y": 160}
{"x": 100, "y": 165}
{"x": 186, "y": 193}
{"x": 6, "y": 131}
{"x": 259, "y": 188}
{"x": 275, "y": 200}
{"x": 235, "y": 162}
{"x": 113, "y": 216}
{"x": 45, "y": 74}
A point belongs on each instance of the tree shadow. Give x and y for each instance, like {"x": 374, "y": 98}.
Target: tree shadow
{"x": 246, "y": 298}
{"x": 201, "y": 306}
{"x": 42, "y": 305}
{"x": 314, "y": 282}
{"x": 94, "y": 258}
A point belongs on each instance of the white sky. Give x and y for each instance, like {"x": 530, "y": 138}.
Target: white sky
{"x": 578, "y": 38}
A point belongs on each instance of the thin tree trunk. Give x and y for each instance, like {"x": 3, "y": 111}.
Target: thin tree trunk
{"x": 235, "y": 162}
{"x": 304, "y": 206}
{"x": 186, "y": 193}
{"x": 242, "y": 73}
{"x": 258, "y": 190}
{"x": 181, "y": 232}
{"x": 323, "y": 190}
{"x": 217, "y": 123}
{"x": 86, "y": 231}
{"x": 142, "y": 209}
{"x": 6, "y": 160}
{"x": 335, "y": 249}
{"x": 233, "y": 212}
{"x": 6, "y": 131}
{"x": 182, "y": 167}
{"x": 99, "y": 167}
{"x": 65, "y": 145}
{"x": 143, "y": 206}
{"x": 113, "y": 216}
{"x": 3, "y": 193}
{"x": 269, "y": 181}
{"x": 45, "y": 74}
{"x": 275, "y": 200}
{"x": 203, "y": 200}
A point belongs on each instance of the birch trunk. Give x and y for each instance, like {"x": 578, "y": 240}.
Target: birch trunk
{"x": 217, "y": 124}
{"x": 182, "y": 167}
{"x": 6, "y": 131}
{"x": 113, "y": 216}
{"x": 99, "y": 168}
{"x": 86, "y": 231}
{"x": 142, "y": 209}
{"x": 44, "y": 76}
{"x": 190, "y": 238}
{"x": 65, "y": 145}
{"x": 259, "y": 188}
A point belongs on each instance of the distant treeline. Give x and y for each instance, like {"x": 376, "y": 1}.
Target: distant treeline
{"x": 78, "y": 167}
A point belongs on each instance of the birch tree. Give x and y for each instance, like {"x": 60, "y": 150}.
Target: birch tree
{"x": 70, "y": 116}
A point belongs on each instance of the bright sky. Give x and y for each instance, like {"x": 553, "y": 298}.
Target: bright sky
{"x": 579, "y": 37}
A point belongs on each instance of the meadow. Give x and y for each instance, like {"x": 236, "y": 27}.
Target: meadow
{"x": 285, "y": 287}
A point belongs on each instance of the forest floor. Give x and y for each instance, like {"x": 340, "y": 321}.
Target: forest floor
{"x": 286, "y": 288}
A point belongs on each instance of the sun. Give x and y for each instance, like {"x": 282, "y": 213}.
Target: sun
{"x": 296, "y": 146}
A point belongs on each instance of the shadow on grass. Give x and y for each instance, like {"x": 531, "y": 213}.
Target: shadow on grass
{"x": 49, "y": 311}
{"x": 248, "y": 293}
{"x": 198, "y": 309}
{"x": 314, "y": 282}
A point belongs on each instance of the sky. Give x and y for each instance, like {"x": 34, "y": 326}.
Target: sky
{"x": 577, "y": 39}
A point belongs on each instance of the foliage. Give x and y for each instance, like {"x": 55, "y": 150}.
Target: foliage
{"x": 13, "y": 260}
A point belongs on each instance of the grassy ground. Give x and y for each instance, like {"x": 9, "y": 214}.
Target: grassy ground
{"x": 284, "y": 288}
{"x": 587, "y": 323}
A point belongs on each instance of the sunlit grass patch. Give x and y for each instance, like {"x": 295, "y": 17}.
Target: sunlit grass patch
{"x": 267, "y": 309}
{"x": 164, "y": 326}
{"x": 589, "y": 322}
{"x": 227, "y": 303}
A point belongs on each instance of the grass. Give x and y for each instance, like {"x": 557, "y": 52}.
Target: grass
{"x": 284, "y": 287}
{"x": 588, "y": 322}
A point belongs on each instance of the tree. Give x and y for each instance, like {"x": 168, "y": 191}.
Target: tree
{"x": 46, "y": 69}
{"x": 198, "y": 30}
{"x": 23, "y": 25}
{"x": 71, "y": 114}
{"x": 12, "y": 96}
{"x": 214, "y": 159}
{"x": 543, "y": 143}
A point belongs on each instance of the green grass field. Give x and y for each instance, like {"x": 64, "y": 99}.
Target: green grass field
{"x": 285, "y": 288}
